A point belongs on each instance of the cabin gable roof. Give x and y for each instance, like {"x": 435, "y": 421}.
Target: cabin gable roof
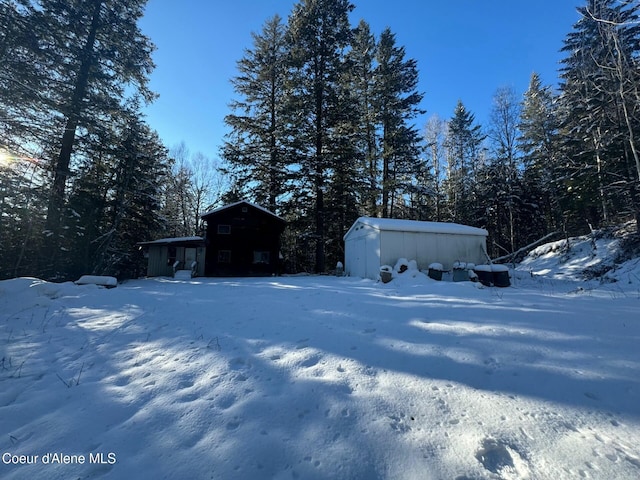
{"x": 212, "y": 213}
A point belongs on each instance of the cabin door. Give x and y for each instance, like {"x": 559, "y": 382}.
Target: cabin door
{"x": 190, "y": 256}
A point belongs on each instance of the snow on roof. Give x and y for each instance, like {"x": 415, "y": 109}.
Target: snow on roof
{"x": 393, "y": 224}
{"x": 219, "y": 209}
{"x": 164, "y": 241}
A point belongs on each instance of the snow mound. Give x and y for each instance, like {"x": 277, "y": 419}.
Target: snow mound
{"x": 32, "y": 291}
{"x": 101, "y": 281}
{"x": 407, "y": 272}
{"x": 604, "y": 256}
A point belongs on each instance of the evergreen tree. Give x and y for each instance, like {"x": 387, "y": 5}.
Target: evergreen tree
{"x": 599, "y": 113}
{"x": 339, "y": 124}
{"x": 463, "y": 143}
{"x": 71, "y": 68}
{"x": 318, "y": 36}
{"x": 116, "y": 202}
{"x": 96, "y": 57}
{"x": 22, "y": 199}
{"x": 25, "y": 125}
{"x": 538, "y": 143}
{"x": 256, "y": 147}
{"x": 24, "y": 104}
{"x": 397, "y": 103}
{"x": 134, "y": 210}
{"x": 361, "y": 80}
{"x": 177, "y": 199}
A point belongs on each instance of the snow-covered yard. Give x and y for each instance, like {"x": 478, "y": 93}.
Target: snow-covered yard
{"x": 319, "y": 377}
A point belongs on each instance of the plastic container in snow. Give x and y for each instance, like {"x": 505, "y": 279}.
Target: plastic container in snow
{"x": 460, "y": 272}
{"x": 435, "y": 271}
{"x": 386, "y": 273}
{"x": 500, "y": 275}
{"x": 484, "y": 273}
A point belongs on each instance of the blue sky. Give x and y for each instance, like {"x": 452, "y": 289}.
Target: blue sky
{"x": 465, "y": 50}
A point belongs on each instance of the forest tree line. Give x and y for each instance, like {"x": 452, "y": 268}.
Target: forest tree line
{"x": 322, "y": 131}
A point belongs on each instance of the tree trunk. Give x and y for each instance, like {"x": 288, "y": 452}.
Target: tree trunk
{"x": 56, "y": 200}
{"x": 319, "y": 167}
{"x": 600, "y": 170}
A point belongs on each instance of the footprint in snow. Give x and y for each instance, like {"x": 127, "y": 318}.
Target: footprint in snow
{"x": 499, "y": 458}
{"x": 189, "y": 398}
{"x": 311, "y": 361}
{"x": 226, "y": 401}
{"x": 237, "y": 363}
{"x": 185, "y": 384}
{"x": 233, "y": 425}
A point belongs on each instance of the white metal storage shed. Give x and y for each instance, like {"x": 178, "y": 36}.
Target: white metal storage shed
{"x": 373, "y": 242}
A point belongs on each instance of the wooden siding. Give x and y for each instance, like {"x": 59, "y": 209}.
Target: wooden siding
{"x": 159, "y": 264}
{"x": 243, "y": 240}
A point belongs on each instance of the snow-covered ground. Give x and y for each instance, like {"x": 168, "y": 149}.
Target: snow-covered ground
{"x": 321, "y": 378}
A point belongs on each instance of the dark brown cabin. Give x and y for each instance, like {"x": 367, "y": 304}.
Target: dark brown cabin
{"x": 242, "y": 239}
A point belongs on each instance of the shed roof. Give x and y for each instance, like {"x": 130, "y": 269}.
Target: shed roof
{"x": 397, "y": 225}
{"x": 175, "y": 241}
{"x": 258, "y": 207}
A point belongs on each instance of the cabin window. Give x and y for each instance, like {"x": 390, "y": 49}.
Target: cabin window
{"x": 224, "y": 229}
{"x": 261, "y": 257}
{"x": 171, "y": 256}
{"x": 224, "y": 256}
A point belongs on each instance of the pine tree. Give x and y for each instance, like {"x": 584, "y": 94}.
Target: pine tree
{"x": 599, "y": 113}
{"x": 24, "y": 104}
{"x": 463, "y": 143}
{"x": 71, "y": 69}
{"x": 360, "y": 78}
{"x": 116, "y": 202}
{"x": 21, "y": 201}
{"x": 96, "y": 57}
{"x": 25, "y": 124}
{"x": 318, "y": 36}
{"x": 255, "y": 149}
{"x": 538, "y": 143}
{"x": 134, "y": 210}
{"x": 397, "y": 102}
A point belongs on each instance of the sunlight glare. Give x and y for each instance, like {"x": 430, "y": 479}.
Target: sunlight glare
{"x": 5, "y": 159}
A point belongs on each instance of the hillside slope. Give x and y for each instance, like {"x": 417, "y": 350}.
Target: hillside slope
{"x": 604, "y": 258}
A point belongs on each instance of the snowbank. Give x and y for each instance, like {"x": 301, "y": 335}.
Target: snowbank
{"x": 598, "y": 259}
{"x": 102, "y": 281}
